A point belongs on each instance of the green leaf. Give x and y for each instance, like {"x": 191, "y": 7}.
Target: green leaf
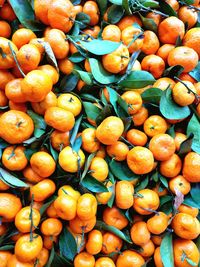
{"x": 195, "y": 192}
{"x": 84, "y": 76}
{"x": 125, "y": 4}
{"x": 102, "y": 4}
{"x": 165, "y": 199}
{"x": 24, "y": 13}
{"x": 173, "y": 71}
{"x": 116, "y": 2}
{"x": 191, "y": 262}
{"x": 195, "y": 73}
{"x": 93, "y": 184}
{"x": 77, "y": 144}
{"x": 105, "y": 112}
{"x": 103, "y": 226}
{"x": 10, "y": 179}
{"x": 112, "y": 198}
{"x": 152, "y": 95}
{"x": 50, "y": 54}
{"x": 122, "y": 171}
{"x": 115, "y": 13}
{"x": 87, "y": 165}
{"x": 67, "y": 244}
{"x": 83, "y": 20}
{"x": 193, "y": 128}
{"x": 150, "y": 3}
{"x": 7, "y": 247}
{"x": 100, "y": 47}
{"x": 54, "y": 153}
{"x": 68, "y": 83}
{"x": 170, "y": 109}
{"x": 166, "y": 8}
{"x": 171, "y": 131}
{"x": 143, "y": 182}
{"x": 76, "y": 58}
{"x": 74, "y": 131}
{"x": 100, "y": 74}
{"x": 189, "y": 201}
{"x": 46, "y": 205}
{"x": 185, "y": 146}
{"x": 163, "y": 181}
{"x": 91, "y": 110}
{"x": 166, "y": 251}
{"x": 149, "y": 24}
{"x": 39, "y": 123}
{"x": 137, "y": 79}
{"x": 113, "y": 95}
{"x": 51, "y": 257}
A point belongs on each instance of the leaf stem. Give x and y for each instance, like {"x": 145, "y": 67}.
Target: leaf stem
{"x": 16, "y": 61}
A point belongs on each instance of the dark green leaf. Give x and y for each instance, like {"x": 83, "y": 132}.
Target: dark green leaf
{"x": 169, "y": 109}
{"x": 193, "y": 128}
{"x": 102, "y": 6}
{"x": 11, "y": 180}
{"x": 59, "y": 261}
{"x": 167, "y": 9}
{"x": 122, "y": 171}
{"x": 195, "y": 192}
{"x": 165, "y": 199}
{"x": 91, "y": 110}
{"x": 125, "y": 4}
{"x": 112, "y": 199}
{"x": 29, "y": 152}
{"x": 171, "y": 131}
{"x": 113, "y": 95}
{"x": 149, "y": 24}
{"x": 68, "y": 83}
{"x": 87, "y": 165}
{"x": 150, "y": 3}
{"x": 54, "y": 153}
{"x": 185, "y": 146}
{"x": 67, "y": 244}
{"x": 39, "y": 123}
{"x": 152, "y": 95}
{"x": 77, "y": 144}
{"x": 102, "y": 226}
{"x": 75, "y": 2}
{"x": 7, "y": 247}
{"x": 137, "y": 79}
{"x": 173, "y": 71}
{"x": 100, "y": 74}
{"x": 46, "y": 205}
{"x": 51, "y": 257}
{"x": 163, "y": 181}
{"x": 84, "y": 76}
{"x": 105, "y": 112}
{"x": 93, "y": 185}
{"x": 100, "y": 47}
{"x": 115, "y": 13}
{"x": 76, "y": 57}
{"x": 74, "y": 131}
{"x": 166, "y": 251}
{"x": 24, "y": 13}
{"x": 143, "y": 182}
{"x": 83, "y": 20}
{"x": 190, "y": 202}
{"x": 195, "y": 73}
{"x": 50, "y": 54}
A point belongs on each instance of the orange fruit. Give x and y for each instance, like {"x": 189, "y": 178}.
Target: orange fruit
{"x": 104, "y": 197}
{"x": 191, "y": 167}
{"x": 171, "y": 167}
{"x": 49, "y": 241}
{"x": 66, "y": 207}
{"x": 82, "y": 226}
{"x": 157, "y": 258}
{"x": 187, "y": 77}
{"x": 42, "y": 258}
{"x": 91, "y": 9}
{"x": 61, "y": 15}
{"x": 129, "y": 21}
{"x": 174, "y": 4}
{"x": 133, "y": 100}
{"x": 5, "y": 257}
{"x": 129, "y": 258}
{"x": 154, "y": 64}
{"x": 113, "y": 216}
{"x": 86, "y": 206}
{"x": 13, "y": 262}
{"x": 70, "y": 103}
{"x": 140, "y": 117}
{"x": 111, "y": 33}
{"x": 140, "y": 160}
{"x": 154, "y": 125}
{"x": 41, "y": 8}
{"x": 65, "y": 66}
{"x": 17, "y": 106}
{"x": 3, "y": 99}
{"x": 7, "y": 61}
{"x": 179, "y": 138}
{"x": 169, "y": 30}
{"x": 99, "y": 169}
{"x": 128, "y": 34}
{"x": 186, "y": 248}
{"x": 188, "y": 15}
{"x": 3, "y": 187}
{"x": 42, "y": 190}
{"x": 15, "y": 126}
{"x": 50, "y": 100}
{"x": 147, "y": 250}
{"x": 162, "y": 146}
{"x": 94, "y": 242}
{"x": 10, "y": 206}
{"x": 146, "y": 202}
{"x": 158, "y": 223}
{"x": 68, "y": 159}
{"x": 164, "y": 83}
{"x": 179, "y": 183}
{"x": 59, "y": 140}
{"x": 164, "y": 51}
{"x": 191, "y": 39}
{"x": 51, "y": 211}
{"x": 36, "y": 85}
{"x": 22, "y": 36}
{"x": 139, "y": 232}
{"x": 6, "y": 12}
{"x": 13, "y": 91}
{"x": 23, "y": 219}
{"x": 118, "y": 151}
{"x": 57, "y": 40}
{"x": 89, "y": 141}
{"x": 186, "y": 226}
{"x": 92, "y": 31}
{"x": 5, "y": 77}
{"x": 188, "y": 210}
{"x": 117, "y": 60}
{"x": 110, "y": 130}
{"x": 157, "y": 240}
{"x": 27, "y": 250}
{"x": 31, "y": 176}
{"x": 84, "y": 259}
{"x": 38, "y": 43}
{"x": 111, "y": 243}
{"x": 67, "y": 189}
{"x": 51, "y": 226}
{"x": 124, "y": 191}
{"x": 184, "y": 56}
{"x": 136, "y": 137}
{"x": 104, "y": 262}
{"x": 78, "y": 9}
{"x": 43, "y": 163}
{"x": 5, "y": 29}
{"x": 14, "y": 159}
{"x": 51, "y": 71}
{"x": 155, "y": 17}
{"x": 150, "y": 43}
{"x": 181, "y": 95}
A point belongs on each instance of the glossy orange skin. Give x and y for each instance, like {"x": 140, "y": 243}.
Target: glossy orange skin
{"x": 94, "y": 242}
{"x": 136, "y": 230}
{"x": 104, "y": 262}
{"x": 150, "y": 43}
{"x": 99, "y": 169}
{"x": 43, "y": 257}
{"x": 158, "y": 223}
{"x": 84, "y": 259}
{"x": 5, "y": 77}
{"x": 124, "y": 191}
{"x": 113, "y": 217}
{"x": 154, "y": 125}
{"x": 14, "y": 262}
{"x": 66, "y": 207}
{"x": 22, "y": 37}
{"x": 89, "y": 141}
{"x": 91, "y": 9}
{"x": 154, "y": 64}
{"x": 134, "y": 101}
{"x": 140, "y": 117}
{"x": 157, "y": 258}
{"x": 130, "y": 258}
{"x": 180, "y": 183}
{"x": 127, "y": 36}
{"x": 41, "y": 10}
{"x": 191, "y": 167}
{"x": 118, "y": 151}
{"x": 5, "y": 29}
{"x": 111, "y": 243}
{"x": 86, "y": 206}
{"x": 111, "y": 33}
{"x": 7, "y": 13}
{"x": 43, "y": 189}
{"x": 79, "y": 226}
{"x": 13, "y": 91}
{"x": 8, "y": 61}
{"x": 136, "y": 137}
{"x": 10, "y": 205}
{"x": 171, "y": 167}
{"x": 51, "y": 71}
{"x": 31, "y": 176}
{"x": 4, "y": 257}
{"x": 147, "y": 249}
{"x": 51, "y": 226}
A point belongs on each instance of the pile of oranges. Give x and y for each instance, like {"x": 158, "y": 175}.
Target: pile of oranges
{"x": 99, "y": 133}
